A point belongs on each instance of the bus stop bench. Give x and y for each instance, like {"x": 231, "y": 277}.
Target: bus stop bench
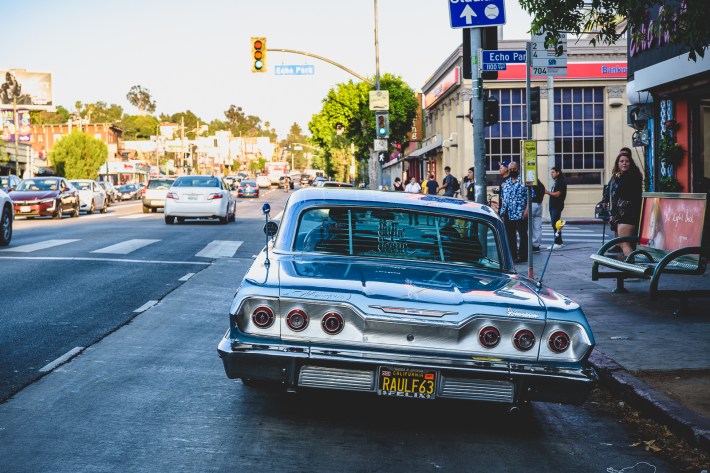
{"x": 670, "y": 240}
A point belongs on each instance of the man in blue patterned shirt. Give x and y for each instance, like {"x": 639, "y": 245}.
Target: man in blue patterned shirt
{"x": 514, "y": 211}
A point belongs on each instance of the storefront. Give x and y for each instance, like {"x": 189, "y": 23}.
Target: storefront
{"x": 670, "y": 110}
{"x": 588, "y": 122}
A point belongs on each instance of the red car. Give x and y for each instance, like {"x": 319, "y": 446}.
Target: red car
{"x": 45, "y": 196}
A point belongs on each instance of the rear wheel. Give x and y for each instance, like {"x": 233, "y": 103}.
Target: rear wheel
{"x": 91, "y": 208}
{"x": 181, "y": 220}
{"x": 76, "y": 210}
{"x": 59, "y": 213}
{"x": 104, "y": 209}
{"x": 146, "y": 209}
{"x": 5, "y": 227}
{"x": 169, "y": 219}
{"x": 224, "y": 220}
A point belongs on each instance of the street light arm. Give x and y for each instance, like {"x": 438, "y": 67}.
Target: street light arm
{"x": 303, "y": 53}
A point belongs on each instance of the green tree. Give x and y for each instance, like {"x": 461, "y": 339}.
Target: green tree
{"x": 140, "y": 98}
{"x": 100, "y": 112}
{"x": 192, "y": 122}
{"x": 685, "y": 21}
{"x": 242, "y": 124}
{"x": 78, "y": 156}
{"x": 294, "y": 139}
{"x": 139, "y": 127}
{"x": 41, "y": 117}
{"x": 348, "y": 105}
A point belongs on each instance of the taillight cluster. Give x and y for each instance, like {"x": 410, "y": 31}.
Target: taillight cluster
{"x": 172, "y": 195}
{"x": 297, "y": 320}
{"x": 524, "y": 339}
{"x": 214, "y": 195}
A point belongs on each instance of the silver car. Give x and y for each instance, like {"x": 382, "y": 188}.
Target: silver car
{"x": 92, "y": 195}
{"x": 7, "y": 217}
{"x": 405, "y": 295}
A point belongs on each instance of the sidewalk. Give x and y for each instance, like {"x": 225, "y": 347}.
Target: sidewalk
{"x": 638, "y": 338}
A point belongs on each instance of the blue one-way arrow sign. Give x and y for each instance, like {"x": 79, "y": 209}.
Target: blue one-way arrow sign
{"x": 476, "y": 13}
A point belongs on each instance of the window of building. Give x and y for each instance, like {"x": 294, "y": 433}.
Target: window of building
{"x": 579, "y": 133}
{"x": 503, "y": 138}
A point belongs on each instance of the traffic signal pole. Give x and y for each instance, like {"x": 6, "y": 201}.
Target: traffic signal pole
{"x": 528, "y": 63}
{"x": 479, "y": 144}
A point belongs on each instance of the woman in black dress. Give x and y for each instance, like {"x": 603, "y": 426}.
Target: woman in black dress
{"x": 625, "y": 210}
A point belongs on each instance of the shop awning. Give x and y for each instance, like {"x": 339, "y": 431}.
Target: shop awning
{"x": 426, "y": 148}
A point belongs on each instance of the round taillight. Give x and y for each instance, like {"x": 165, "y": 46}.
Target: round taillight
{"x": 297, "y": 320}
{"x": 332, "y": 323}
{"x": 559, "y": 341}
{"x": 524, "y": 340}
{"x": 489, "y": 336}
{"x": 263, "y": 317}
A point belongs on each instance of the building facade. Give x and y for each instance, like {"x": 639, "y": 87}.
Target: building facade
{"x": 585, "y": 116}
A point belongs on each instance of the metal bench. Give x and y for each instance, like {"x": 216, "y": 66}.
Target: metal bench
{"x": 670, "y": 240}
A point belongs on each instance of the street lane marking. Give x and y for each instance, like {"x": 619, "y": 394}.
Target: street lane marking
{"x": 145, "y": 306}
{"x": 134, "y": 216}
{"x": 125, "y": 247}
{"x": 65, "y": 357}
{"x": 38, "y": 246}
{"x": 220, "y": 249}
{"x": 112, "y": 260}
{"x": 186, "y": 277}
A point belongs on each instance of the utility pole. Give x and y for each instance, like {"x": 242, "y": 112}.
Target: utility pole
{"x": 528, "y": 63}
{"x": 17, "y": 132}
{"x": 479, "y": 137}
{"x": 373, "y": 154}
{"x": 182, "y": 141}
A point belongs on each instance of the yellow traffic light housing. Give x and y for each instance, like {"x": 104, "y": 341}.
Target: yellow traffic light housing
{"x": 382, "y": 125}
{"x": 258, "y": 54}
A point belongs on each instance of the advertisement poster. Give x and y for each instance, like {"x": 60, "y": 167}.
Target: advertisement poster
{"x": 31, "y": 90}
{"x": 8, "y": 126}
{"x": 670, "y": 223}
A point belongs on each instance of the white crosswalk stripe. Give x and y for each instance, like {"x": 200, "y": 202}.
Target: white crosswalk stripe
{"x": 220, "y": 249}
{"x": 38, "y": 246}
{"x": 125, "y": 247}
{"x": 135, "y": 216}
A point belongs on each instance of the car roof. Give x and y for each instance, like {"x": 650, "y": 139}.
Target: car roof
{"x": 348, "y": 195}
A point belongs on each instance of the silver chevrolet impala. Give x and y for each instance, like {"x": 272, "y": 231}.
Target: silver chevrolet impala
{"x": 405, "y": 295}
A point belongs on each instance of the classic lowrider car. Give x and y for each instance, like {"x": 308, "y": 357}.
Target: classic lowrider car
{"x": 405, "y": 295}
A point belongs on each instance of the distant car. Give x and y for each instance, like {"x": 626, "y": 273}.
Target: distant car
{"x": 333, "y": 184}
{"x": 263, "y": 181}
{"x": 314, "y": 182}
{"x": 111, "y": 191}
{"x": 129, "y": 192}
{"x": 402, "y": 295}
{"x": 154, "y": 194}
{"x": 92, "y": 195}
{"x": 305, "y": 179}
{"x": 248, "y": 188}
{"x": 199, "y": 197}
{"x": 45, "y": 196}
{"x": 9, "y": 183}
{"x": 7, "y": 216}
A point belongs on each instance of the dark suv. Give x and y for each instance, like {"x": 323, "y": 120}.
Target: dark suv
{"x": 153, "y": 194}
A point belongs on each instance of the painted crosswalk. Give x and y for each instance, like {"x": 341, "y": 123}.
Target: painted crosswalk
{"x": 220, "y": 249}
{"x": 572, "y": 234}
{"x": 125, "y": 247}
{"x": 42, "y": 245}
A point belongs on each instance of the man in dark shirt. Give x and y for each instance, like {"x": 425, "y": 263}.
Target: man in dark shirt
{"x": 538, "y": 193}
{"x": 469, "y": 189}
{"x": 558, "y": 194}
{"x": 432, "y": 187}
{"x": 448, "y": 183}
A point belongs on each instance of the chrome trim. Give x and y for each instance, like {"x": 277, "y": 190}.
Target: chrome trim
{"x": 336, "y": 378}
{"x": 477, "y": 390}
{"x": 406, "y": 311}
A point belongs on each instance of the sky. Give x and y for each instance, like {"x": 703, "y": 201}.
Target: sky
{"x": 195, "y": 55}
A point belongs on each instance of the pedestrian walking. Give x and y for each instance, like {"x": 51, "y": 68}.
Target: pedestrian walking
{"x": 609, "y": 199}
{"x": 625, "y": 198}
{"x": 413, "y": 187}
{"x": 514, "y": 211}
{"x": 469, "y": 189}
{"x": 538, "y": 194}
{"x": 450, "y": 185}
{"x": 558, "y": 194}
{"x": 398, "y": 186}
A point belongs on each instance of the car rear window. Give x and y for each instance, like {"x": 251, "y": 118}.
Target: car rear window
{"x": 398, "y": 234}
{"x": 162, "y": 184}
{"x": 196, "y": 181}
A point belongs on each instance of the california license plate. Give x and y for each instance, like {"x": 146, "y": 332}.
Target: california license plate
{"x": 407, "y": 382}
{"x": 191, "y": 197}
{"x": 25, "y": 209}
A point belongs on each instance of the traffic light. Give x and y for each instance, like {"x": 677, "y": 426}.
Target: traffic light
{"x": 534, "y": 104}
{"x": 382, "y": 124}
{"x": 258, "y": 54}
{"x": 491, "y": 111}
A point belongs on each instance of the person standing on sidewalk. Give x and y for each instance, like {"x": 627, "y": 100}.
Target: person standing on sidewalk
{"x": 558, "y": 194}
{"x": 514, "y": 211}
{"x": 629, "y": 187}
{"x": 432, "y": 187}
{"x": 413, "y": 187}
{"x": 448, "y": 184}
{"x": 468, "y": 187}
{"x": 398, "y": 186}
{"x": 538, "y": 194}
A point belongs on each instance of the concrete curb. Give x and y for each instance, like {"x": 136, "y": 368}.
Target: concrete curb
{"x": 679, "y": 419}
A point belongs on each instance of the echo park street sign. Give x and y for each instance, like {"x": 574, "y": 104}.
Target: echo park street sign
{"x": 496, "y": 60}
{"x": 479, "y": 13}
{"x": 295, "y": 70}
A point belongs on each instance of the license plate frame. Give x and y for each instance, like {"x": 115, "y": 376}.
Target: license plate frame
{"x": 407, "y": 382}
{"x": 25, "y": 209}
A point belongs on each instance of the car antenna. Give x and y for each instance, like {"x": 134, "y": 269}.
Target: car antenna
{"x": 265, "y": 209}
{"x": 558, "y": 226}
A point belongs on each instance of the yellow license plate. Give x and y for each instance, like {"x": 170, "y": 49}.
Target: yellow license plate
{"x": 407, "y": 382}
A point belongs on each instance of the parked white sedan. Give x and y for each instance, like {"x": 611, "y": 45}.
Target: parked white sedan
{"x": 199, "y": 197}
{"x": 92, "y": 195}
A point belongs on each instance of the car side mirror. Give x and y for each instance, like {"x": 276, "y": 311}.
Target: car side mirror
{"x": 270, "y": 228}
